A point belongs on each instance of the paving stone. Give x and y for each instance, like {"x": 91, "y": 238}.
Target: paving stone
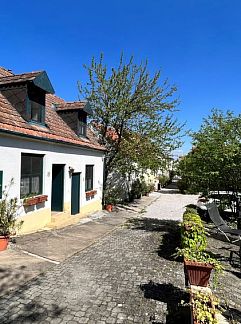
{"x": 129, "y": 276}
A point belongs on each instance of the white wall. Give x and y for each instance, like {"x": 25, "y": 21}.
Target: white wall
{"x": 11, "y": 148}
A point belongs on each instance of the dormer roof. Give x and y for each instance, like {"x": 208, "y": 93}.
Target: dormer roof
{"x": 38, "y": 78}
{"x": 74, "y": 105}
{"x": 56, "y": 130}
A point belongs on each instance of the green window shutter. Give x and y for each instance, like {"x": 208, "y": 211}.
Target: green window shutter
{"x": 1, "y": 184}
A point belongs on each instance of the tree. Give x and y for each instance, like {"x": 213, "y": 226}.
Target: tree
{"x": 214, "y": 164}
{"x": 132, "y": 115}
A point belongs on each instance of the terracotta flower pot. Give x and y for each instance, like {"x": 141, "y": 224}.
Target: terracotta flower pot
{"x": 109, "y": 207}
{"x": 198, "y": 273}
{"x": 3, "y": 242}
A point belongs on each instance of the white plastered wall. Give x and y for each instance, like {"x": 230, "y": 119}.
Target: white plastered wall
{"x": 77, "y": 158}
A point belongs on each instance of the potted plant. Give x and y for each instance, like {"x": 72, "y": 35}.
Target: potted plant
{"x": 110, "y": 199}
{"x": 203, "y": 308}
{"x": 8, "y": 219}
{"x": 198, "y": 266}
{"x": 198, "y": 263}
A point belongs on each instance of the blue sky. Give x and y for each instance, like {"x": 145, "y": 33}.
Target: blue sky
{"x": 197, "y": 45}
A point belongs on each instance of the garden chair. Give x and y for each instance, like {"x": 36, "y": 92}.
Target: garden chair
{"x": 232, "y": 235}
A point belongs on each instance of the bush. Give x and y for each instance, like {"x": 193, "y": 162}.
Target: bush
{"x": 8, "y": 214}
{"x": 163, "y": 180}
{"x": 193, "y": 234}
{"x": 136, "y": 189}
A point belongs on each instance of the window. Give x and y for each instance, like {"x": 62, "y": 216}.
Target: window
{"x": 31, "y": 174}
{"x": 82, "y": 125}
{"x": 1, "y": 184}
{"x": 36, "y": 104}
{"x": 37, "y": 112}
{"x": 89, "y": 177}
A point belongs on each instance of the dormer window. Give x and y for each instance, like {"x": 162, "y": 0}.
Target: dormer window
{"x": 26, "y": 92}
{"x": 82, "y": 124}
{"x": 75, "y": 115}
{"x": 36, "y": 104}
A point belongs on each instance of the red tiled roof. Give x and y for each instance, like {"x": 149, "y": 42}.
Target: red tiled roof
{"x": 56, "y": 130}
{"x": 71, "y": 105}
{"x": 16, "y": 78}
{"x": 4, "y": 72}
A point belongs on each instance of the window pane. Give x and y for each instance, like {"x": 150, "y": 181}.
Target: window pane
{"x": 24, "y": 187}
{"x": 89, "y": 177}
{"x": 35, "y": 189}
{"x": 36, "y": 111}
{"x": 36, "y": 164}
{"x": 25, "y": 165}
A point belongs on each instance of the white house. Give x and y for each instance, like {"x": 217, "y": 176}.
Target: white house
{"x": 47, "y": 148}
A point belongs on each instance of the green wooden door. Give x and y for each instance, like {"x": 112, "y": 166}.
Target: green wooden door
{"x": 57, "y": 199}
{"x": 75, "y": 193}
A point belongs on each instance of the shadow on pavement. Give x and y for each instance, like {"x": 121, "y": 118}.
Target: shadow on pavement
{"x": 172, "y": 296}
{"x": 169, "y": 191}
{"x": 24, "y": 310}
{"x": 170, "y": 238}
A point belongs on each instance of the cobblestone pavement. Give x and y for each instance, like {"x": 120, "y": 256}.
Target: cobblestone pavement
{"x": 128, "y": 276}
{"x": 114, "y": 281}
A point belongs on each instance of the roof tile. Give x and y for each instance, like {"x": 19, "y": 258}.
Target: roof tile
{"x": 56, "y": 129}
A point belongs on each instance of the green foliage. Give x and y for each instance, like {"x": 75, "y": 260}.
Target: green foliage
{"x": 111, "y": 196}
{"x": 194, "y": 243}
{"x": 215, "y": 160}
{"x": 204, "y": 309}
{"x": 193, "y": 234}
{"x": 132, "y": 116}
{"x": 136, "y": 188}
{"x": 8, "y": 213}
{"x": 163, "y": 180}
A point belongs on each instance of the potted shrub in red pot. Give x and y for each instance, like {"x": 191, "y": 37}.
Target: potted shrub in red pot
{"x": 8, "y": 219}
{"x": 198, "y": 267}
{"x": 110, "y": 199}
{"x": 198, "y": 263}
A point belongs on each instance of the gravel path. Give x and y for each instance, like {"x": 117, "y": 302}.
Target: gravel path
{"x": 169, "y": 205}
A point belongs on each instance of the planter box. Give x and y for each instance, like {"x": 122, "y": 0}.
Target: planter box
{"x": 42, "y": 198}
{"x": 198, "y": 273}
{"x": 209, "y": 305}
{"x": 91, "y": 193}
{"x": 31, "y": 201}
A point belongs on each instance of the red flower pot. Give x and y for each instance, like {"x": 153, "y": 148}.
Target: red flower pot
{"x": 109, "y": 208}
{"x": 198, "y": 273}
{"x": 3, "y": 242}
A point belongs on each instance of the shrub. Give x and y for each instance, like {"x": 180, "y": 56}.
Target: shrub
{"x": 8, "y": 214}
{"x": 163, "y": 180}
{"x": 193, "y": 234}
